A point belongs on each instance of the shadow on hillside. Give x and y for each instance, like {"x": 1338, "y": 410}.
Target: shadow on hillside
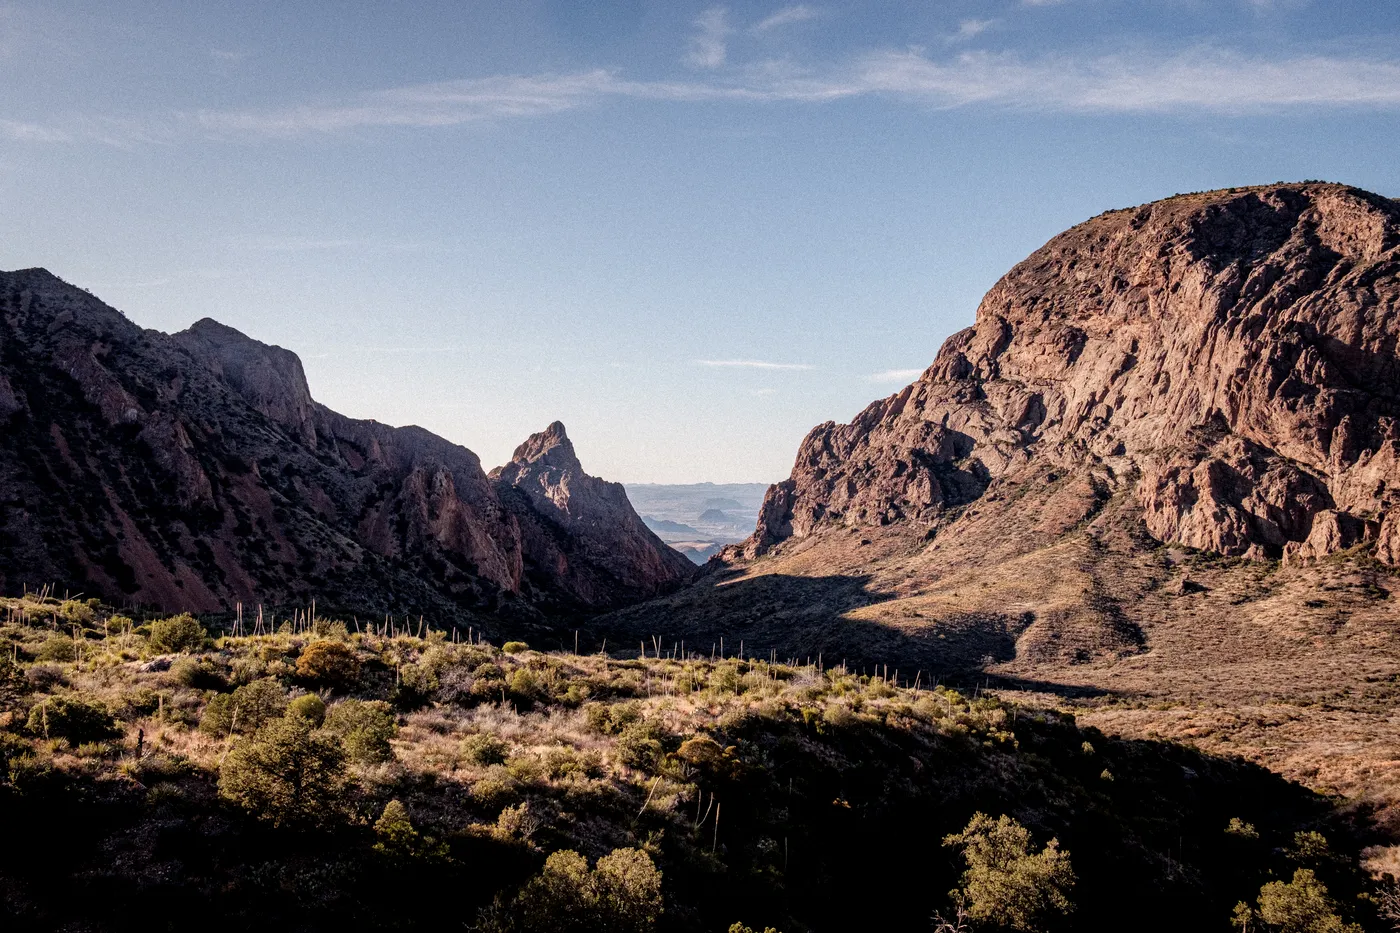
{"x": 1064, "y": 691}
{"x": 799, "y": 617}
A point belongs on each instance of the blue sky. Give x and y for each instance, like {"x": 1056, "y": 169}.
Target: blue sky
{"x": 689, "y": 231}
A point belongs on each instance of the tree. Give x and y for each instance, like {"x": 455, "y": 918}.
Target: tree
{"x": 177, "y": 633}
{"x": 286, "y": 773}
{"x": 365, "y": 726}
{"x": 398, "y": 837}
{"x": 329, "y": 663}
{"x": 245, "y": 709}
{"x": 622, "y": 894}
{"x": 1007, "y": 885}
{"x": 1298, "y": 906}
{"x": 13, "y": 683}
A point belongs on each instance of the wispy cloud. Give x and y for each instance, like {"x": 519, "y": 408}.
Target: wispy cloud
{"x": 895, "y": 375}
{"x": 972, "y": 28}
{"x": 709, "y": 44}
{"x": 1202, "y": 79}
{"x": 19, "y": 131}
{"x": 787, "y": 16}
{"x": 754, "y": 364}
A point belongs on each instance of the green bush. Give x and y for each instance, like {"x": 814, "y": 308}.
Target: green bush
{"x": 244, "y": 710}
{"x": 330, "y": 664}
{"x": 622, "y": 894}
{"x": 75, "y": 718}
{"x": 639, "y": 746}
{"x": 514, "y": 647}
{"x": 177, "y": 633}
{"x": 1006, "y": 885}
{"x": 13, "y": 683}
{"x": 1301, "y": 905}
{"x": 286, "y": 774}
{"x": 365, "y": 727}
{"x": 197, "y": 673}
{"x": 484, "y": 749}
{"x": 60, "y": 648}
{"x": 398, "y": 837}
{"x": 309, "y": 707}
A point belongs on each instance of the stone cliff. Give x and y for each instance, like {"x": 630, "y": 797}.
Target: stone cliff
{"x": 1229, "y": 357}
{"x": 195, "y": 470}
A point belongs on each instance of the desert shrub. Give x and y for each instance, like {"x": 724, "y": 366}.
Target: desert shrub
{"x": 610, "y": 719}
{"x": 13, "y": 683}
{"x": 484, "y": 749}
{"x": 46, "y": 676}
{"x": 197, "y": 673}
{"x": 74, "y": 718}
{"x": 397, "y": 835}
{"x": 417, "y": 685}
{"x": 519, "y": 822}
{"x": 455, "y": 685}
{"x": 248, "y": 669}
{"x": 57, "y": 648}
{"x": 72, "y": 610}
{"x": 639, "y": 746}
{"x": 329, "y": 663}
{"x": 286, "y": 773}
{"x": 365, "y": 727}
{"x": 1301, "y": 905}
{"x": 1006, "y": 884}
{"x": 244, "y": 710}
{"x": 622, "y": 894}
{"x": 741, "y": 928}
{"x": 309, "y": 707}
{"x": 177, "y": 633}
{"x": 525, "y": 686}
{"x": 143, "y": 701}
{"x": 515, "y": 647}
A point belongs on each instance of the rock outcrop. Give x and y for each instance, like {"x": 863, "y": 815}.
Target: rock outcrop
{"x": 195, "y": 470}
{"x": 1229, "y": 356}
{"x": 580, "y": 531}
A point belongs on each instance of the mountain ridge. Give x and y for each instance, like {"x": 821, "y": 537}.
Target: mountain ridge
{"x": 195, "y": 470}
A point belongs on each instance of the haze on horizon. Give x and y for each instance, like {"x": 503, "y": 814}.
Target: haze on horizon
{"x": 689, "y": 231}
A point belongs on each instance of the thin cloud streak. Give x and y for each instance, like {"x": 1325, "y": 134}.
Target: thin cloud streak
{"x": 754, "y": 364}
{"x": 787, "y": 16}
{"x": 895, "y": 375}
{"x": 1205, "y": 79}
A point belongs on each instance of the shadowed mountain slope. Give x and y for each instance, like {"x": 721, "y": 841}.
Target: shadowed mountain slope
{"x": 1157, "y": 480}
{"x": 193, "y": 471}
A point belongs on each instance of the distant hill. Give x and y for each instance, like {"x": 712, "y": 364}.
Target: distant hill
{"x": 728, "y": 513}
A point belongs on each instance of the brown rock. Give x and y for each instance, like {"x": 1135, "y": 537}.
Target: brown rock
{"x": 194, "y": 471}
{"x": 1230, "y": 355}
{"x": 580, "y": 533}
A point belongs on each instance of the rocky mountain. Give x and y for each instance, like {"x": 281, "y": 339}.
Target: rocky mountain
{"x": 1157, "y": 480}
{"x": 194, "y": 470}
{"x": 578, "y": 532}
{"x": 1231, "y": 357}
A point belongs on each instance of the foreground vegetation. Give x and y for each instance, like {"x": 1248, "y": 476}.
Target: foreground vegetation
{"x": 155, "y": 776}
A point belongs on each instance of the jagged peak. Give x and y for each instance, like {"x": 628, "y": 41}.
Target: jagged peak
{"x": 551, "y": 445}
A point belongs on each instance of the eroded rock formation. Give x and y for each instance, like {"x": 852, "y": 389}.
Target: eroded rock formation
{"x": 1230, "y": 356}
{"x": 195, "y": 470}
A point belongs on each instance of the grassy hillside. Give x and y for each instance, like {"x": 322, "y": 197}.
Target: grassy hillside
{"x": 156, "y": 777}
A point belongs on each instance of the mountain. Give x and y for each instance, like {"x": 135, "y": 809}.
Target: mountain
{"x": 192, "y": 471}
{"x": 580, "y": 533}
{"x": 714, "y": 516}
{"x": 661, "y": 525}
{"x": 1157, "y": 479}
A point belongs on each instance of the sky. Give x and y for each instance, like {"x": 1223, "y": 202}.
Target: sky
{"x": 689, "y": 231}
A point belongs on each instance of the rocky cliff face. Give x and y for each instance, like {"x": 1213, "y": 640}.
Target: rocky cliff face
{"x": 1229, "y": 357}
{"x": 580, "y": 529}
{"x": 195, "y": 470}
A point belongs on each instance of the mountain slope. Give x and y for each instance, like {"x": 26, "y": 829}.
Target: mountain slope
{"x": 194, "y": 471}
{"x": 1157, "y": 481}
